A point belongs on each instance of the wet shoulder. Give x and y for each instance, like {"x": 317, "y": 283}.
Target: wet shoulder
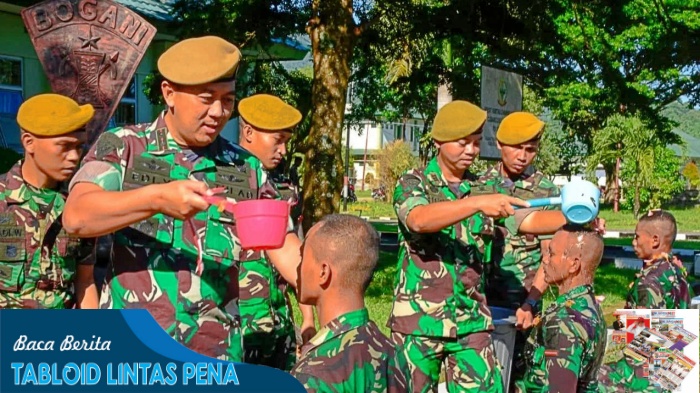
{"x": 578, "y": 317}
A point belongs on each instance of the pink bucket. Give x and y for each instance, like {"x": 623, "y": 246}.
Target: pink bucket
{"x": 261, "y": 223}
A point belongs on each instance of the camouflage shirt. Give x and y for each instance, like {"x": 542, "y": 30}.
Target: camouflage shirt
{"x": 660, "y": 285}
{"x": 156, "y": 261}
{"x": 516, "y": 257}
{"x": 264, "y": 303}
{"x": 439, "y": 280}
{"x": 569, "y": 339}
{"x": 38, "y": 260}
{"x": 350, "y": 354}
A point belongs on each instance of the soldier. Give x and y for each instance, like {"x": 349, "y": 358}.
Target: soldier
{"x": 514, "y": 279}
{"x": 174, "y": 254}
{"x": 439, "y": 314}
{"x": 349, "y": 353}
{"x": 266, "y": 124}
{"x": 40, "y": 265}
{"x": 660, "y": 284}
{"x": 566, "y": 347}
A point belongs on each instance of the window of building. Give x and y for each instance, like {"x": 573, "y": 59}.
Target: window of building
{"x": 10, "y": 84}
{"x": 11, "y": 97}
{"x": 126, "y": 110}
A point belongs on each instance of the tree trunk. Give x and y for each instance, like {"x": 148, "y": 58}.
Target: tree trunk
{"x": 636, "y": 200}
{"x": 332, "y": 31}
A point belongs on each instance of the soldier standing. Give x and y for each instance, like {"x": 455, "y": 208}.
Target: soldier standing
{"x": 439, "y": 313}
{"x": 514, "y": 279}
{"x": 349, "y": 353}
{"x": 266, "y": 124}
{"x": 660, "y": 284}
{"x": 566, "y": 347}
{"x": 175, "y": 254}
{"x": 40, "y": 265}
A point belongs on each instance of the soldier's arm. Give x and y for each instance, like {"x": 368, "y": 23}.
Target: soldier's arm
{"x": 85, "y": 289}
{"x": 541, "y": 222}
{"x": 415, "y": 211}
{"x": 525, "y": 314}
{"x": 287, "y": 259}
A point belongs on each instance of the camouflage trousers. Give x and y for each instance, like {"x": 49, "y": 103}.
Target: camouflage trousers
{"x": 470, "y": 362}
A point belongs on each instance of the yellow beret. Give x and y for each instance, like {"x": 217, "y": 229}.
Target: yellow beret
{"x": 267, "y": 112}
{"x": 519, "y": 127}
{"x": 196, "y": 61}
{"x": 53, "y": 115}
{"x": 457, "y": 120}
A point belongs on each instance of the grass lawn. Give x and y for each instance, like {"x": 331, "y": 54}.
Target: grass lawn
{"x": 610, "y": 282}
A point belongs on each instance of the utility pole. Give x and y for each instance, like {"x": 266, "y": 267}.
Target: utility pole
{"x": 346, "y": 180}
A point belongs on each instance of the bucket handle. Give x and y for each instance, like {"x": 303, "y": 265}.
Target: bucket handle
{"x": 542, "y": 202}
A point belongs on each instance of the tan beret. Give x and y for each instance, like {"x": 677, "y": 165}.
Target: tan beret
{"x": 457, "y": 120}
{"x": 519, "y": 127}
{"x": 53, "y": 115}
{"x": 196, "y": 61}
{"x": 267, "y": 112}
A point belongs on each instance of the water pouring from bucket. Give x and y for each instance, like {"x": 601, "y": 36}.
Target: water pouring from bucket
{"x": 579, "y": 200}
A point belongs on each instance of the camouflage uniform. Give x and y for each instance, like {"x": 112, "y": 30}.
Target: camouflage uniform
{"x": 266, "y": 313}
{"x": 350, "y": 354}
{"x": 625, "y": 376}
{"x": 516, "y": 257}
{"x": 660, "y": 285}
{"x": 38, "y": 260}
{"x": 570, "y": 339}
{"x": 439, "y": 312}
{"x": 155, "y": 260}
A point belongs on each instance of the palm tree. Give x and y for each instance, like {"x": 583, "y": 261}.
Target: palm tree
{"x": 626, "y": 140}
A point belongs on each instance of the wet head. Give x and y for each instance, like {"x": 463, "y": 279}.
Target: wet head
{"x": 573, "y": 252}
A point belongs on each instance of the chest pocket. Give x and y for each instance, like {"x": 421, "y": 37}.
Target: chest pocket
{"x": 156, "y": 231}
{"x": 13, "y": 254}
{"x": 221, "y": 240}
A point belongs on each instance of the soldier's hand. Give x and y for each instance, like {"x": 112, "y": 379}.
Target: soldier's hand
{"x": 182, "y": 199}
{"x": 599, "y": 225}
{"x": 498, "y": 205}
{"x": 524, "y": 317}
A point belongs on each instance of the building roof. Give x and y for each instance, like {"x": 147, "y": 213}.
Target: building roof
{"x": 151, "y": 9}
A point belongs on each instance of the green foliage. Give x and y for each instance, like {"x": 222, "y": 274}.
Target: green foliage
{"x": 688, "y": 119}
{"x": 369, "y": 179}
{"x": 659, "y": 187}
{"x": 395, "y": 159}
{"x": 692, "y": 174}
{"x": 8, "y": 158}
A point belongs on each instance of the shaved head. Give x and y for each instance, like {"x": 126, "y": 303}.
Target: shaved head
{"x": 574, "y": 250}
{"x": 660, "y": 223}
{"x": 350, "y": 245}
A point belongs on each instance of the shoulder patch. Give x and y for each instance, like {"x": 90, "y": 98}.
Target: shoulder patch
{"x": 107, "y": 144}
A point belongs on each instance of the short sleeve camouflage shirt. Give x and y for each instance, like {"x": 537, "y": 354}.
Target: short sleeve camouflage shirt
{"x": 38, "y": 260}
{"x": 438, "y": 289}
{"x": 157, "y": 261}
{"x": 660, "y": 285}
{"x": 569, "y": 339}
{"x": 350, "y": 354}
{"x": 516, "y": 257}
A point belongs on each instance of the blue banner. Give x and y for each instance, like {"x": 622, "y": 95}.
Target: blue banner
{"x": 115, "y": 351}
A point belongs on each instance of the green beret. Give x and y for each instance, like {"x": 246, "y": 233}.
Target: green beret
{"x": 457, "y": 120}
{"x": 53, "y": 115}
{"x": 267, "y": 112}
{"x": 196, "y": 61}
{"x": 519, "y": 127}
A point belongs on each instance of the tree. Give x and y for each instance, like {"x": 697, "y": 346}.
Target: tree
{"x": 661, "y": 186}
{"x": 692, "y": 174}
{"x": 395, "y": 159}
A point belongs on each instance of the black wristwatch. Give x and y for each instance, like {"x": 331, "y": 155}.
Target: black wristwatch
{"x": 533, "y": 304}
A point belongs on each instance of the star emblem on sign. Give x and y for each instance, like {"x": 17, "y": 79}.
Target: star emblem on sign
{"x": 91, "y": 41}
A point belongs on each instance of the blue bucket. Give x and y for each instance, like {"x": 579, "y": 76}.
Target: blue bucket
{"x": 580, "y": 201}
